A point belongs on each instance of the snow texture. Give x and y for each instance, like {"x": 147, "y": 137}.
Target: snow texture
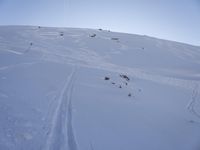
{"x": 87, "y": 89}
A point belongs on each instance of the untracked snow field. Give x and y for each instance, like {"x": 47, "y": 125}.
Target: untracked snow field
{"x": 87, "y": 89}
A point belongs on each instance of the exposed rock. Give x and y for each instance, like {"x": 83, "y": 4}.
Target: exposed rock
{"x": 125, "y": 77}
{"x": 93, "y": 35}
{"x": 106, "y": 78}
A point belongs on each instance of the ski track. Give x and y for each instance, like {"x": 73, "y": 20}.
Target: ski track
{"x": 12, "y": 51}
{"x": 61, "y": 135}
{"x": 192, "y": 103}
{"x": 70, "y": 132}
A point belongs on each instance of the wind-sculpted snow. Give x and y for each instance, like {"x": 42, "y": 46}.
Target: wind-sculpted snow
{"x": 64, "y": 89}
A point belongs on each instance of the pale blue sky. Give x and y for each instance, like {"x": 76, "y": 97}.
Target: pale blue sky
{"x": 177, "y": 20}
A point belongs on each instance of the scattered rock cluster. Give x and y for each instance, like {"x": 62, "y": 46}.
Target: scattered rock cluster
{"x": 126, "y": 80}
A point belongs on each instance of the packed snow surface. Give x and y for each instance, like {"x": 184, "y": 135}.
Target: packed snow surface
{"x": 86, "y": 89}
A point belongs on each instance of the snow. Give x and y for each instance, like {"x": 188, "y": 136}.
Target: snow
{"x": 54, "y": 96}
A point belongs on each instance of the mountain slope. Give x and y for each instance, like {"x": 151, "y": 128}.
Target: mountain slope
{"x": 80, "y": 89}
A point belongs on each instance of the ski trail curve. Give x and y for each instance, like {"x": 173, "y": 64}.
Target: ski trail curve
{"x": 61, "y": 135}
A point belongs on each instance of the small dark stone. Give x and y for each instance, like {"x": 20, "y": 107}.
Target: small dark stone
{"x": 116, "y": 39}
{"x": 61, "y": 34}
{"x": 120, "y": 86}
{"x": 191, "y": 121}
{"x": 129, "y": 94}
{"x": 93, "y": 35}
{"x": 113, "y": 82}
{"x": 107, "y": 78}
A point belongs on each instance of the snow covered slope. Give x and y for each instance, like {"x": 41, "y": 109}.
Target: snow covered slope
{"x": 83, "y": 89}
